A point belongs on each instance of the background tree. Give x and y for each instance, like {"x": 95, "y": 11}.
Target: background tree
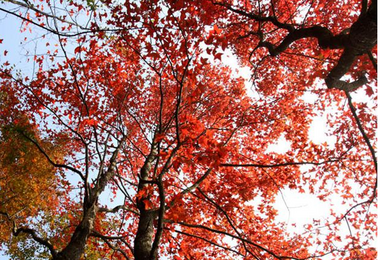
{"x": 147, "y": 145}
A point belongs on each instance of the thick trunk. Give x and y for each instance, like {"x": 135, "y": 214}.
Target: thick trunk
{"x": 75, "y": 249}
{"x": 144, "y": 235}
{"x": 145, "y": 230}
{"x": 361, "y": 39}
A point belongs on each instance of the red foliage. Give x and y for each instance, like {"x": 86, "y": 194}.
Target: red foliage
{"x": 155, "y": 125}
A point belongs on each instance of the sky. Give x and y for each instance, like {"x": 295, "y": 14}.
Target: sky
{"x": 293, "y": 207}
{"x": 12, "y": 39}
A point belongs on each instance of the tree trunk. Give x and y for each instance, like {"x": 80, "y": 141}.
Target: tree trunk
{"x": 145, "y": 230}
{"x": 76, "y": 247}
{"x": 144, "y": 235}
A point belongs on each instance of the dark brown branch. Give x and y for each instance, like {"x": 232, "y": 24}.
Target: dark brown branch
{"x": 253, "y": 243}
{"x": 34, "y": 23}
{"x": 116, "y": 209}
{"x": 278, "y": 164}
{"x": 16, "y": 231}
{"x": 30, "y": 6}
{"x": 57, "y": 32}
{"x": 355, "y": 206}
{"x": 372, "y": 59}
{"x": 192, "y": 187}
{"x": 345, "y": 215}
{"x": 57, "y": 165}
{"x": 107, "y": 175}
{"x": 106, "y": 240}
{"x": 333, "y": 82}
{"x": 160, "y": 222}
{"x": 258, "y": 18}
{"x": 324, "y": 36}
{"x": 366, "y": 139}
{"x": 95, "y": 233}
{"x": 230, "y": 221}
{"x": 206, "y": 240}
{"x": 364, "y": 6}
{"x": 37, "y": 238}
{"x": 361, "y": 39}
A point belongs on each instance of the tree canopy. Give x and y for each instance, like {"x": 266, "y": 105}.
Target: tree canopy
{"x": 134, "y": 138}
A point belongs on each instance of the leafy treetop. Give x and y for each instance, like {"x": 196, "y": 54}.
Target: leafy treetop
{"x": 132, "y": 101}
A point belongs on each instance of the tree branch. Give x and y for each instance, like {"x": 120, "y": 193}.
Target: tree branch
{"x": 106, "y": 240}
{"x": 361, "y": 39}
{"x": 366, "y": 139}
{"x": 16, "y": 231}
{"x": 373, "y": 60}
{"x": 57, "y": 165}
{"x": 116, "y": 209}
{"x": 252, "y": 243}
{"x": 192, "y": 187}
{"x": 160, "y": 222}
{"x": 230, "y": 221}
{"x": 278, "y": 164}
{"x": 206, "y": 240}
